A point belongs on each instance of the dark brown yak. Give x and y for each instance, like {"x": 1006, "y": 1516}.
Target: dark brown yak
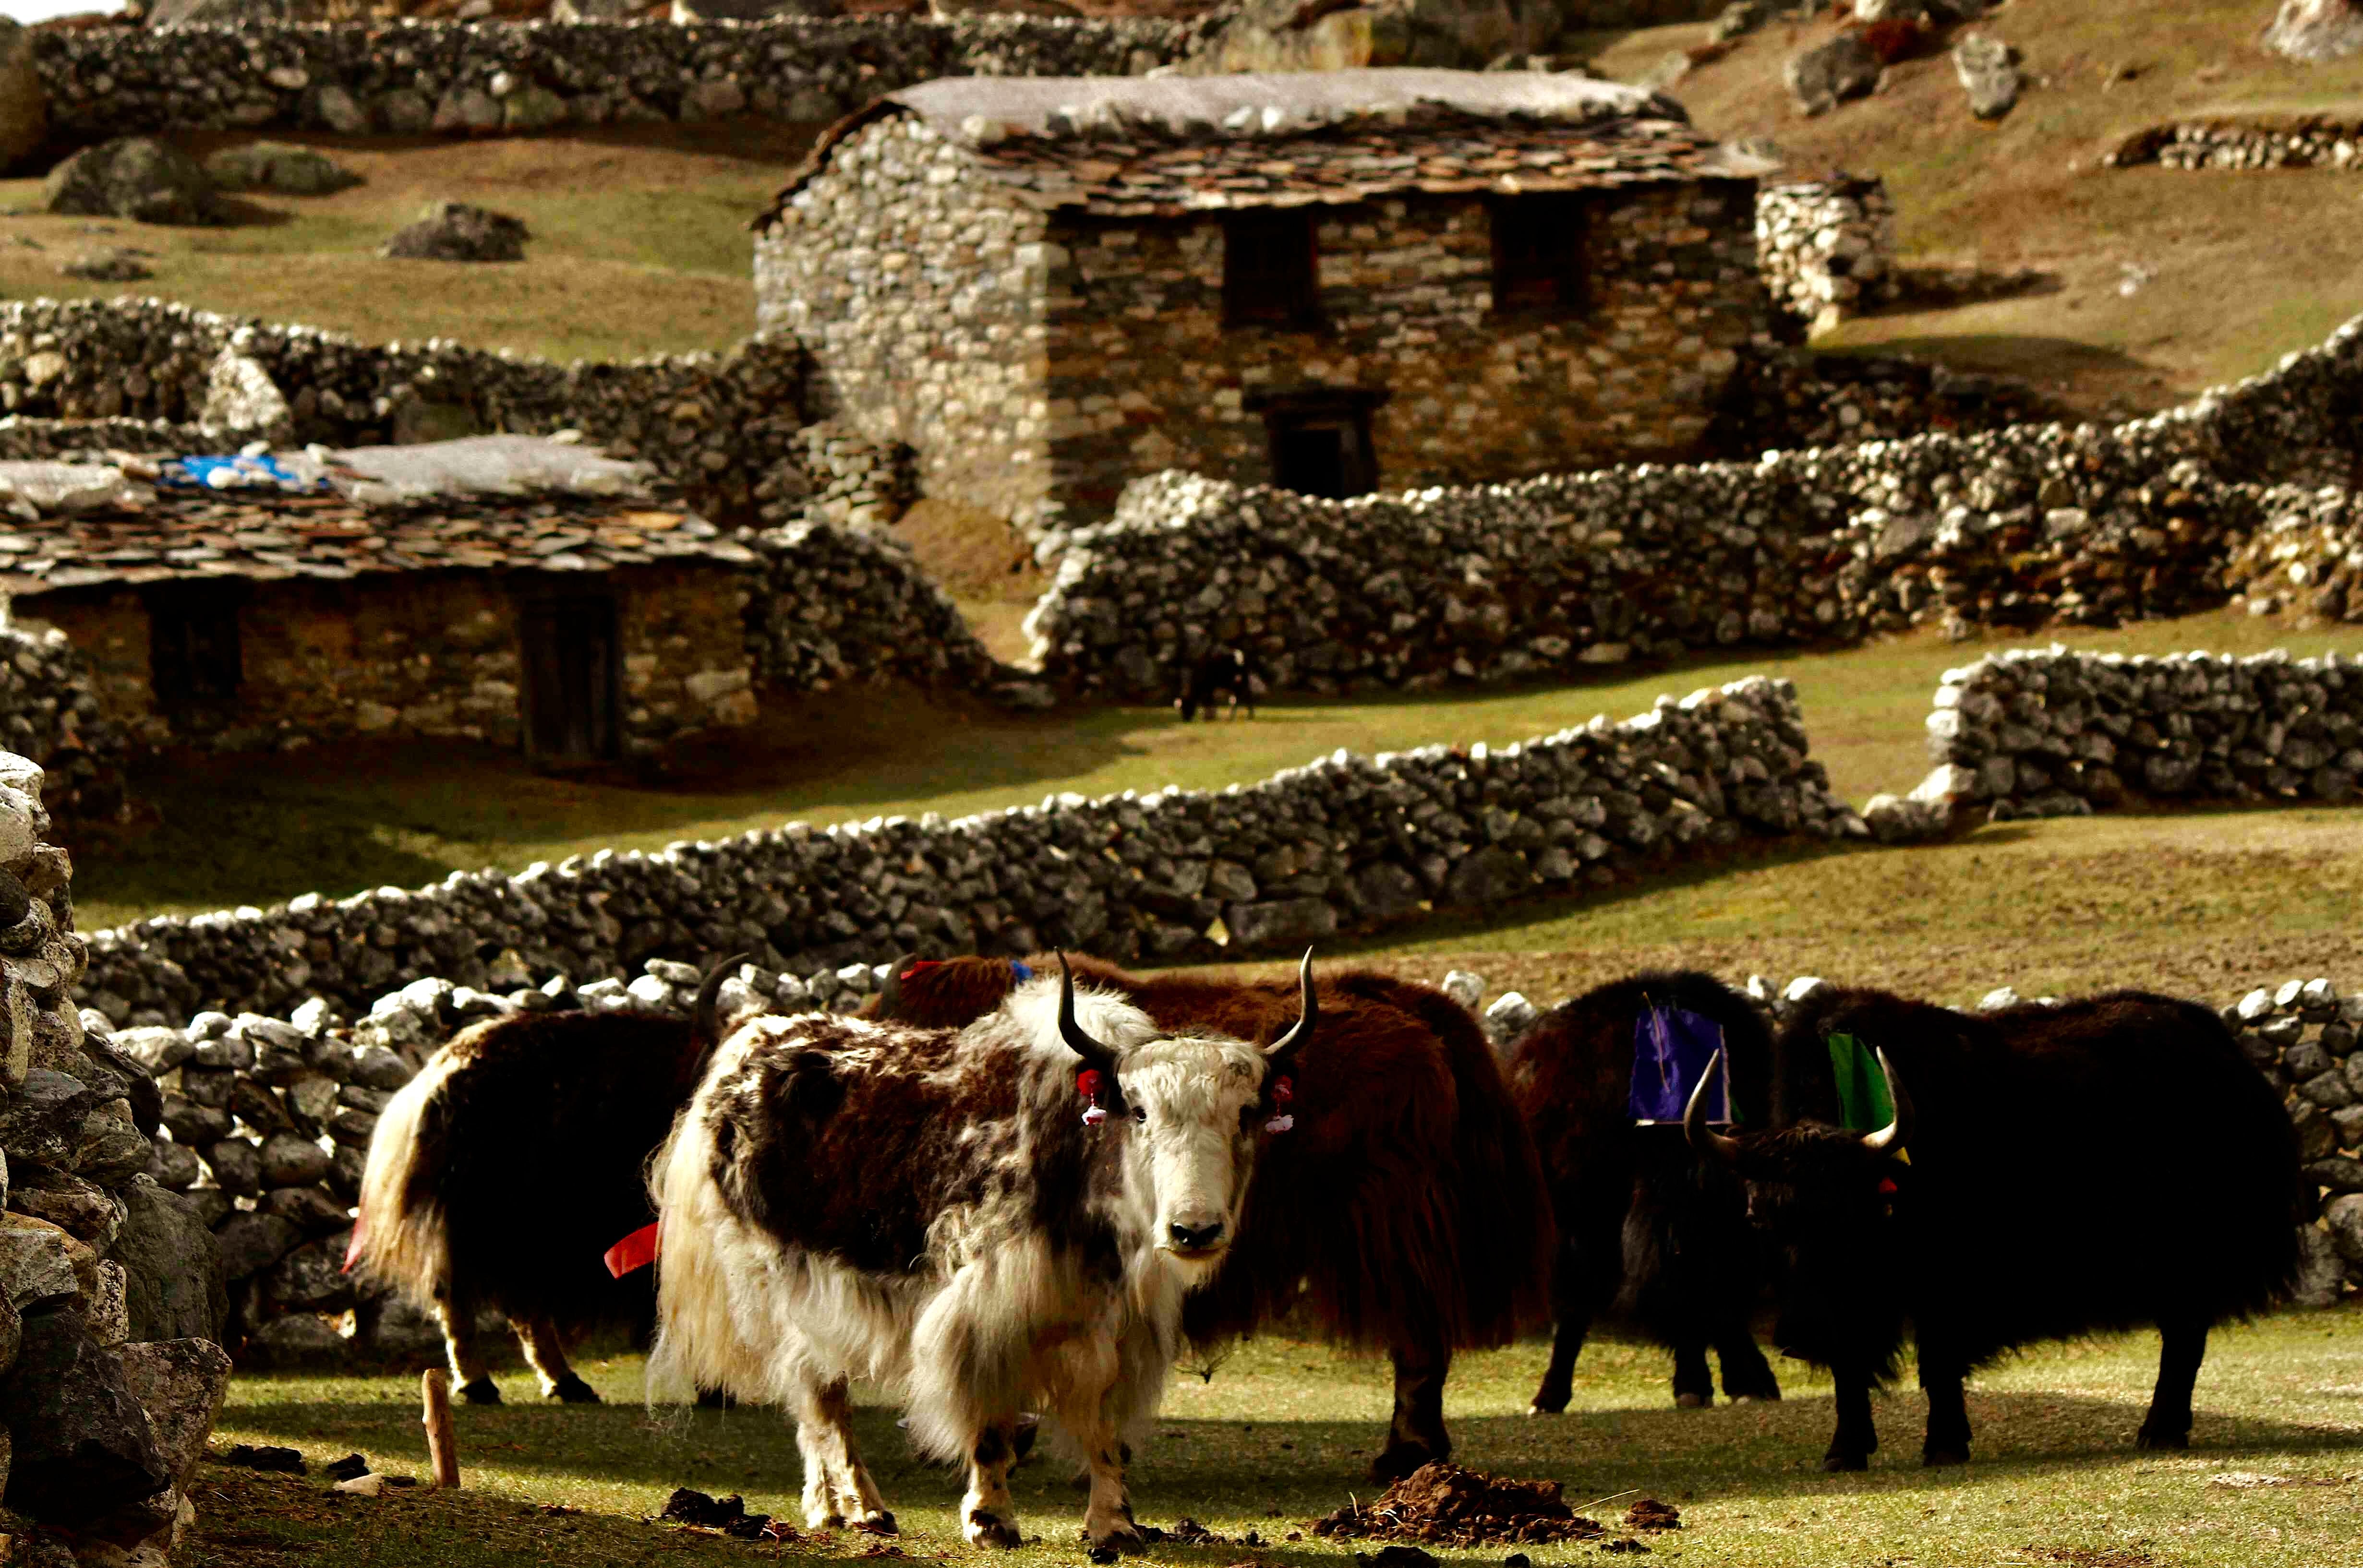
{"x": 500, "y": 1175}
{"x": 1644, "y": 1223}
{"x": 1405, "y": 1212}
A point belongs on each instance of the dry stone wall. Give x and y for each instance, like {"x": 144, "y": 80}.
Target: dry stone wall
{"x": 417, "y": 77}
{"x": 2308, "y": 142}
{"x": 110, "y": 1286}
{"x": 2034, "y": 732}
{"x": 1346, "y": 844}
{"x": 51, "y": 714}
{"x": 2017, "y": 527}
{"x": 143, "y": 372}
{"x": 1826, "y": 248}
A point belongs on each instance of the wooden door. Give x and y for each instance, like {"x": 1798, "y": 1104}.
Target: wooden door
{"x": 574, "y": 667}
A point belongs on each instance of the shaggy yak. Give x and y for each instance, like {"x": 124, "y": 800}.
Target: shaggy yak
{"x": 500, "y": 1174}
{"x": 987, "y": 1220}
{"x": 1403, "y": 1212}
{"x": 2096, "y": 1165}
{"x": 1643, "y": 1223}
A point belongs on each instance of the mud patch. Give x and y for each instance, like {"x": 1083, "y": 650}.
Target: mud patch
{"x": 1447, "y": 1504}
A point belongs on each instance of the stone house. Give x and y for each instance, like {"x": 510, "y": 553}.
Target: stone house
{"x": 1327, "y": 281}
{"x": 577, "y": 631}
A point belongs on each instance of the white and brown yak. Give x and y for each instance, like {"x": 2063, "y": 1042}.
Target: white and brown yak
{"x": 985, "y": 1221}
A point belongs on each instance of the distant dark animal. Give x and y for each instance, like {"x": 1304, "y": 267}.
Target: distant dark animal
{"x": 2096, "y": 1165}
{"x": 1227, "y": 673}
{"x": 1644, "y": 1223}
{"x": 984, "y": 1220}
{"x": 1404, "y": 1212}
{"x": 500, "y": 1175}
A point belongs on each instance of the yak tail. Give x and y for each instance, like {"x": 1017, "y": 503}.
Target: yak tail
{"x": 698, "y": 1346}
{"x": 400, "y": 1241}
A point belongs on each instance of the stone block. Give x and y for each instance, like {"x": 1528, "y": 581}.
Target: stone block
{"x": 82, "y": 1446}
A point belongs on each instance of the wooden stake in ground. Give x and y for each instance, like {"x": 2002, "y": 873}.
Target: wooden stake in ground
{"x": 442, "y": 1441}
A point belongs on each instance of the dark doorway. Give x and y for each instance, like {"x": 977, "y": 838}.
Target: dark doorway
{"x": 573, "y": 668}
{"x": 196, "y": 661}
{"x": 1320, "y": 440}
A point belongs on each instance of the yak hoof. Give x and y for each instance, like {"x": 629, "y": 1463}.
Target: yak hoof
{"x": 989, "y": 1530}
{"x": 879, "y": 1523}
{"x": 482, "y": 1391}
{"x": 571, "y": 1390}
{"x": 1838, "y": 1464}
{"x": 2159, "y": 1437}
{"x": 1944, "y": 1458}
{"x": 1549, "y": 1405}
{"x": 1126, "y": 1542}
{"x": 1687, "y": 1400}
{"x": 1398, "y": 1460}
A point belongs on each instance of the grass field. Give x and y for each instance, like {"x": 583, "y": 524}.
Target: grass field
{"x": 2196, "y": 902}
{"x": 1281, "y": 1433}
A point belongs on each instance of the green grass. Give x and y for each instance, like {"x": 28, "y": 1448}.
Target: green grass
{"x": 1282, "y": 1432}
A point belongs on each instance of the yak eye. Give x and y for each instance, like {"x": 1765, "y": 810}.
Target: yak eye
{"x": 1141, "y": 1113}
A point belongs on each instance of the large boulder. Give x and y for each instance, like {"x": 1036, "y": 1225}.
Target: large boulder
{"x": 1989, "y": 72}
{"x": 454, "y": 231}
{"x": 279, "y": 167}
{"x": 2315, "y": 30}
{"x": 1823, "y": 77}
{"x": 173, "y": 1286}
{"x": 82, "y": 1446}
{"x": 181, "y": 1384}
{"x": 133, "y": 177}
{"x": 1289, "y": 35}
{"x": 24, "y": 102}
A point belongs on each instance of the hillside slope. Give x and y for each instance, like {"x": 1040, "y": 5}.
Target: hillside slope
{"x": 2243, "y": 266}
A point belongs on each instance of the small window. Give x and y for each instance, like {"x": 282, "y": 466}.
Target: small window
{"x": 1270, "y": 269}
{"x": 1538, "y": 252}
{"x": 196, "y": 660}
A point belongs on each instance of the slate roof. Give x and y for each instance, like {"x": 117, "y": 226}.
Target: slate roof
{"x": 152, "y": 536}
{"x": 1133, "y": 147}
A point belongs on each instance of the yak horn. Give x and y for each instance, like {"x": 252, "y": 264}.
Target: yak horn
{"x": 1094, "y": 1052}
{"x": 889, "y": 995}
{"x": 1283, "y": 1051}
{"x": 704, "y": 1013}
{"x": 1704, "y": 1138}
{"x": 1897, "y": 1135}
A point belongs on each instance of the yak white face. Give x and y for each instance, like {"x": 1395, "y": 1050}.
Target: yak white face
{"x": 1194, "y": 1110}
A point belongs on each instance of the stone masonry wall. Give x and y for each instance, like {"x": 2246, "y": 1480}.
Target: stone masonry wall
{"x": 51, "y": 711}
{"x": 2305, "y": 142}
{"x": 710, "y": 422}
{"x": 2015, "y": 527}
{"x": 110, "y": 1286}
{"x": 413, "y": 77}
{"x": 1346, "y": 844}
{"x": 921, "y": 293}
{"x": 2037, "y": 732}
{"x": 1145, "y": 375}
{"x": 1827, "y": 247}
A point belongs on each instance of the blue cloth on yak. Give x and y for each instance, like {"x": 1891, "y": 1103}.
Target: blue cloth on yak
{"x": 1671, "y": 1048}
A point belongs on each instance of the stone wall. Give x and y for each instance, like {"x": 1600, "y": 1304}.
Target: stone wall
{"x": 422, "y": 655}
{"x": 110, "y": 1288}
{"x": 843, "y": 606}
{"x": 2015, "y": 527}
{"x": 2306, "y": 561}
{"x": 709, "y": 423}
{"x": 1346, "y": 844}
{"x": 51, "y": 711}
{"x": 2304, "y": 142}
{"x": 1782, "y": 397}
{"x": 2036, "y": 733}
{"x": 413, "y": 77}
{"x": 1827, "y": 247}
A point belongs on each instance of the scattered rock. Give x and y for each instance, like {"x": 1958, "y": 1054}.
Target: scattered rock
{"x": 454, "y": 231}
{"x": 1989, "y": 72}
{"x": 1825, "y": 75}
{"x": 132, "y": 177}
{"x": 2315, "y": 30}
{"x": 1445, "y": 1503}
{"x": 281, "y": 167}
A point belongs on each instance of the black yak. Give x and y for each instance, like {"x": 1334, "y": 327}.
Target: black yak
{"x": 502, "y": 1173}
{"x": 1227, "y": 673}
{"x": 1404, "y": 1213}
{"x": 2046, "y": 1172}
{"x": 1643, "y": 1223}
{"x": 984, "y": 1221}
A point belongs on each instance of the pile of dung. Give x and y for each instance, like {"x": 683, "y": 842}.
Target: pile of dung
{"x": 1651, "y": 1514}
{"x": 728, "y": 1515}
{"x": 1445, "y": 1503}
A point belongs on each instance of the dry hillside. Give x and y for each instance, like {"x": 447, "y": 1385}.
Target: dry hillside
{"x": 2241, "y": 267}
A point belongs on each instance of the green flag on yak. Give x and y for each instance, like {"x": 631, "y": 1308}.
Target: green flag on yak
{"x": 1864, "y": 1104}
